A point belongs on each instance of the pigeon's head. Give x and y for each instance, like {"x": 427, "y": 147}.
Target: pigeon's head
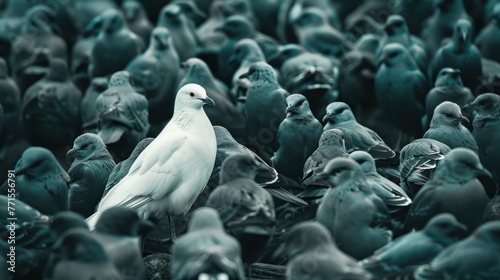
{"x": 365, "y": 160}
{"x": 304, "y": 237}
{"x": 195, "y": 68}
{"x": 65, "y": 220}
{"x": 192, "y": 96}
{"x": 490, "y": 233}
{"x": 449, "y": 77}
{"x": 80, "y": 245}
{"x": 160, "y": 38}
{"x": 285, "y": 52}
{"x": 85, "y": 146}
{"x": 368, "y": 43}
{"x": 445, "y": 229}
{"x": 332, "y": 137}
{"x": 132, "y": 10}
{"x": 245, "y": 48}
{"x": 463, "y": 32}
{"x": 496, "y": 13}
{"x": 112, "y": 21}
{"x": 394, "y": 55}
{"x": 261, "y": 71}
{"x": 463, "y": 163}
{"x": 484, "y": 104}
{"x": 205, "y": 218}
{"x": 236, "y": 26}
{"x": 297, "y": 104}
{"x": 241, "y": 166}
{"x": 122, "y": 221}
{"x": 310, "y": 17}
{"x": 338, "y": 112}
{"x": 36, "y": 162}
{"x": 396, "y": 25}
{"x": 120, "y": 78}
{"x": 39, "y": 18}
{"x": 171, "y": 15}
{"x": 339, "y": 171}
{"x": 448, "y": 114}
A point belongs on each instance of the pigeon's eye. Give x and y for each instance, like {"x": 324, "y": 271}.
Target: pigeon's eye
{"x": 191, "y": 94}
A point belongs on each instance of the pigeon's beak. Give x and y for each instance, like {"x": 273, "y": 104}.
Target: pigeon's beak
{"x": 464, "y": 35}
{"x": 481, "y": 171}
{"x": 456, "y": 73}
{"x": 326, "y": 118}
{"x": 21, "y": 169}
{"x": 469, "y": 107}
{"x": 208, "y": 101}
{"x": 244, "y": 75}
{"x": 463, "y": 119}
{"x": 460, "y": 229}
{"x": 72, "y": 152}
{"x": 381, "y": 60}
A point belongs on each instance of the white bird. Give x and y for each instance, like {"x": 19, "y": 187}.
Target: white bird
{"x": 173, "y": 170}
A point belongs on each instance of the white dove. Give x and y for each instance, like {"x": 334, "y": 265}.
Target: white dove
{"x": 173, "y": 170}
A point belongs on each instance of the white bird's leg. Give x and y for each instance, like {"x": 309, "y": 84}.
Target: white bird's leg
{"x": 173, "y": 236}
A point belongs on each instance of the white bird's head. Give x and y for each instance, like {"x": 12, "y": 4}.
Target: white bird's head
{"x": 192, "y": 96}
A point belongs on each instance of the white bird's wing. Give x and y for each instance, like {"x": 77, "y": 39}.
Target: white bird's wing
{"x": 152, "y": 176}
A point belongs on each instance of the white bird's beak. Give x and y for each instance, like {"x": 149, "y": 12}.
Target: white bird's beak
{"x": 208, "y": 101}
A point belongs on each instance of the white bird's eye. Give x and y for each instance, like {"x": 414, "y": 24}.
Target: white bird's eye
{"x": 191, "y": 94}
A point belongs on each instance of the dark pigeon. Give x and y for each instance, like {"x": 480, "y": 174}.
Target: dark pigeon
{"x": 416, "y": 248}
{"x": 460, "y": 54}
{"x": 195, "y": 255}
{"x": 78, "y": 255}
{"x": 453, "y": 188}
{"x": 119, "y": 231}
{"x": 40, "y": 181}
{"x": 486, "y": 123}
{"x": 51, "y": 109}
{"x": 245, "y": 208}
{"x": 311, "y": 241}
{"x": 35, "y": 46}
{"x": 447, "y": 127}
{"x": 448, "y": 87}
{"x": 356, "y": 217}
{"x": 173, "y": 17}
{"x": 156, "y": 73}
{"x": 298, "y": 137}
{"x": 137, "y": 19}
{"x": 122, "y": 116}
{"x": 418, "y": 160}
{"x": 114, "y": 47}
{"x": 475, "y": 257}
{"x": 400, "y": 89}
{"x": 488, "y": 39}
{"x": 439, "y": 25}
{"x": 89, "y": 172}
{"x": 357, "y": 137}
{"x": 265, "y": 107}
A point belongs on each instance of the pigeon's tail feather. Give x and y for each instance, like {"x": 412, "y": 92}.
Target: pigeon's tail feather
{"x": 286, "y": 196}
{"x": 92, "y": 220}
{"x": 427, "y": 272}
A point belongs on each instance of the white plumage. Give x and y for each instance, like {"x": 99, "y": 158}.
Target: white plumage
{"x": 173, "y": 170}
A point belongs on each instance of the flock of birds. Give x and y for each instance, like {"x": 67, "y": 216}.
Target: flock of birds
{"x": 335, "y": 139}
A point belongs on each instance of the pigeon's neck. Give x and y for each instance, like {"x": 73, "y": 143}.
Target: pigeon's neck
{"x": 185, "y": 117}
